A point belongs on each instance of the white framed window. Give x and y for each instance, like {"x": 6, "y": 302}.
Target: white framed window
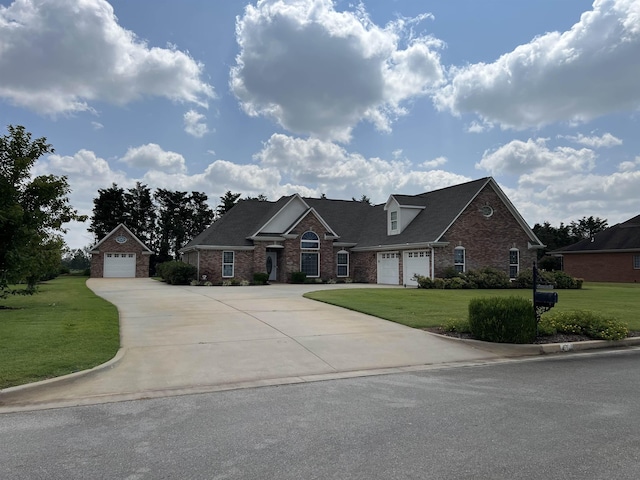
{"x": 310, "y": 240}
{"x": 343, "y": 263}
{"x": 393, "y": 218}
{"x": 310, "y": 264}
{"x": 636, "y": 262}
{"x": 514, "y": 263}
{"x": 228, "y": 262}
{"x": 459, "y": 259}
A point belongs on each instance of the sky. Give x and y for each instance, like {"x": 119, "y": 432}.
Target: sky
{"x": 340, "y": 98}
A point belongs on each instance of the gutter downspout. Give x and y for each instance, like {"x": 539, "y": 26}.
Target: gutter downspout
{"x": 433, "y": 261}
{"x": 198, "y": 264}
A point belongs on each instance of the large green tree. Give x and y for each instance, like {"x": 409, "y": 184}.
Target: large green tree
{"x": 109, "y": 211}
{"x": 140, "y": 212}
{"x": 227, "y": 201}
{"x": 33, "y": 211}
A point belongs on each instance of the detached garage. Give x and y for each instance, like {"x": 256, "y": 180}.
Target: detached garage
{"x": 120, "y": 254}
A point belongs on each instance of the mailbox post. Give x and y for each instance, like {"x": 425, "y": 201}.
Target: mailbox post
{"x": 542, "y": 301}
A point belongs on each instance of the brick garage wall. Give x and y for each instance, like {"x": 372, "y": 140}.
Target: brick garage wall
{"x": 363, "y": 266}
{"x": 292, "y": 250}
{"x": 602, "y": 267}
{"x": 487, "y": 240}
{"x": 111, "y": 246}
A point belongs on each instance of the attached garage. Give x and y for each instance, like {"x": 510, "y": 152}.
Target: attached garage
{"x": 389, "y": 268}
{"x": 119, "y": 265}
{"x": 120, "y": 254}
{"x": 415, "y": 263}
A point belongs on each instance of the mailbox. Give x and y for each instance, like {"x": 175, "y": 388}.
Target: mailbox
{"x": 545, "y": 299}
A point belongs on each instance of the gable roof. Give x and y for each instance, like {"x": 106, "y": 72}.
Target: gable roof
{"x": 354, "y": 222}
{"x": 146, "y": 249}
{"x": 621, "y": 237}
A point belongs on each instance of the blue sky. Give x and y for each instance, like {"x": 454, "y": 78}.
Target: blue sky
{"x": 341, "y": 98}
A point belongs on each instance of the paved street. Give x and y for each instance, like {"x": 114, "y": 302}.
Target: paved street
{"x": 569, "y": 417}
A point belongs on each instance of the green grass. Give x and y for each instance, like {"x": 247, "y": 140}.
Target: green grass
{"x": 420, "y": 308}
{"x": 62, "y": 329}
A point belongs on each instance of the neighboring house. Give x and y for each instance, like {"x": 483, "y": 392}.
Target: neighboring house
{"x": 120, "y": 254}
{"x": 466, "y": 226}
{"x": 612, "y": 255}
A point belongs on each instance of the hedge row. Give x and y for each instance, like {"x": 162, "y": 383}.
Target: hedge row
{"x": 176, "y": 273}
{"x": 488, "y": 277}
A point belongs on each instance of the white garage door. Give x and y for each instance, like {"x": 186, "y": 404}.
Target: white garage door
{"x": 416, "y": 262}
{"x": 388, "y": 268}
{"x": 119, "y": 265}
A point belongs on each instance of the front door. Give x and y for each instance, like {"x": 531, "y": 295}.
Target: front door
{"x": 272, "y": 265}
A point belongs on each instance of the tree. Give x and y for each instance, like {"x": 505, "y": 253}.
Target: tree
{"x": 32, "y": 212}
{"x": 199, "y": 214}
{"x": 587, "y": 227}
{"x": 77, "y": 258}
{"x": 140, "y": 213}
{"x": 261, "y": 198}
{"x": 171, "y": 227}
{"x": 109, "y": 211}
{"x": 227, "y": 201}
{"x": 363, "y": 199}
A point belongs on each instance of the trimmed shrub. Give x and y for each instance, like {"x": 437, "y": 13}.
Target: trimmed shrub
{"x": 450, "y": 272}
{"x": 488, "y": 278}
{"x": 583, "y": 322}
{"x": 563, "y": 280}
{"x": 260, "y": 278}
{"x": 502, "y": 320}
{"x": 423, "y": 282}
{"x": 525, "y": 278}
{"x": 298, "y": 277}
{"x": 176, "y": 273}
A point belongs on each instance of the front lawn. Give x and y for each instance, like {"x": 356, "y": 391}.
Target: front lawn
{"x": 420, "y": 308}
{"x": 62, "y": 329}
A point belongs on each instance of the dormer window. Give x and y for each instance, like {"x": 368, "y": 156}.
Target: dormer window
{"x": 393, "y": 218}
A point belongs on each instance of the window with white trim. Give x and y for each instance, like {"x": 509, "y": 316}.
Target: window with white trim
{"x": 310, "y": 240}
{"x": 310, "y": 264}
{"x": 459, "y": 259}
{"x": 393, "y": 218}
{"x": 636, "y": 262}
{"x": 343, "y": 263}
{"x": 514, "y": 263}
{"x": 228, "y": 261}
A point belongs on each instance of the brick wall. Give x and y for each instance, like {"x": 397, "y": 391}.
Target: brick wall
{"x": 602, "y": 267}
{"x": 487, "y": 240}
{"x": 211, "y": 265}
{"x": 292, "y": 250}
{"x": 111, "y": 246}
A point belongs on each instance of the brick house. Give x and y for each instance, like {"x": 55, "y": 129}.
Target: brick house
{"x": 120, "y": 254}
{"x": 612, "y": 255}
{"x": 467, "y": 226}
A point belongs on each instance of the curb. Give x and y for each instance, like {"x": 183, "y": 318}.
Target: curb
{"x": 517, "y": 350}
{"x": 7, "y": 393}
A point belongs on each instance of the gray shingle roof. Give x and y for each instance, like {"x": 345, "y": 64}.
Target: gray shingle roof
{"x": 353, "y": 221}
{"x": 623, "y": 236}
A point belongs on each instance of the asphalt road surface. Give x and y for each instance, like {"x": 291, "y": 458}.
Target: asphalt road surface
{"x": 569, "y": 417}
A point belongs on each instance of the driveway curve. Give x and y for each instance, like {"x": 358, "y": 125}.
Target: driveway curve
{"x": 181, "y": 339}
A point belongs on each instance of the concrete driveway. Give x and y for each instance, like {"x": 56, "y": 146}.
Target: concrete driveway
{"x": 191, "y": 339}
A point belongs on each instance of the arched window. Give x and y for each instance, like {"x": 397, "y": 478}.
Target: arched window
{"x": 310, "y": 240}
{"x": 459, "y": 259}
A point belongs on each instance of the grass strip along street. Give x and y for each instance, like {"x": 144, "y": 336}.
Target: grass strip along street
{"x": 63, "y": 328}
{"x": 424, "y": 308}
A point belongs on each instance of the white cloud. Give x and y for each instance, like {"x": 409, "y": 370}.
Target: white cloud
{"x": 152, "y": 156}
{"x": 629, "y": 166}
{"x": 536, "y": 162}
{"x": 319, "y": 71}
{"x": 606, "y": 140}
{"x": 436, "y": 162}
{"x": 59, "y": 56}
{"x": 330, "y": 169}
{"x": 574, "y": 76}
{"x": 97, "y": 125}
{"x": 194, "y": 124}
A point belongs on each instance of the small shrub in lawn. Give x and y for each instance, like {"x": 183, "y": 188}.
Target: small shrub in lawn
{"x": 177, "y": 273}
{"x": 423, "y": 282}
{"x": 583, "y": 322}
{"x": 562, "y": 280}
{"x": 260, "y": 278}
{"x": 459, "y": 325}
{"x": 502, "y": 319}
{"x": 525, "y": 278}
{"x": 456, "y": 283}
{"x": 298, "y": 277}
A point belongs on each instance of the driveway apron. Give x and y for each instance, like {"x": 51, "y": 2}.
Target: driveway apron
{"x": 181, "y": 338}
